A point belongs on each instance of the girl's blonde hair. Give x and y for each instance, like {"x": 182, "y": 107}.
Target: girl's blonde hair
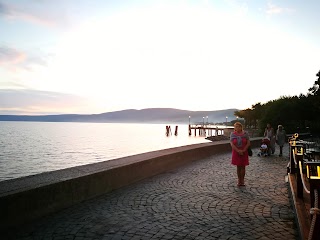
{"x": 238, "y": 124}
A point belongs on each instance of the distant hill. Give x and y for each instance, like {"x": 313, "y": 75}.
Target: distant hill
{"x": 148, "y": 115}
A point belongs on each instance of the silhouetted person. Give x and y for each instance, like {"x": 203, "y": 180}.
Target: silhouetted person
{"x": 280, "y": 138}
{"x": 269, "y": 133}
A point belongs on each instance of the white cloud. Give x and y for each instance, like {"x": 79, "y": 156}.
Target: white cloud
{"x": 273, "y": 9}
{"x": 16, "y": 12}
{"x": 15, "y": 60}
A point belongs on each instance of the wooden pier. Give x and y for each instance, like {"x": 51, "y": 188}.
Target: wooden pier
{"x": 208, "y": 129}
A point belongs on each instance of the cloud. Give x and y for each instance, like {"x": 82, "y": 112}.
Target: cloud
{"x": 240, "y": 8}
{"x": 11, "y": 56}
{"x": 273, "y": 9}
{"x": 3, "y": 9}
{"x": 23, "y": 101}
{"x": 36, "y": 16}
{"x": 15, "y": 60}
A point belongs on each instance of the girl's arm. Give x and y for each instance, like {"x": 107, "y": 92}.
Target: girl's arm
{"x": 234, "y": 147}
{"x": 240, "y": 151}
{"x": 247, "y": 145}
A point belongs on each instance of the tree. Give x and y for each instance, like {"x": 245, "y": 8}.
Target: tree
{"x": 314, "y": 90}
{"x": 297, "y": 113}
{"x": 257, "y": 113}
{"x": 247, "y": 115}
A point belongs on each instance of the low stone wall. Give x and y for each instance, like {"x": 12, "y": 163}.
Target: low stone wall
{"x": 32, "y": 197}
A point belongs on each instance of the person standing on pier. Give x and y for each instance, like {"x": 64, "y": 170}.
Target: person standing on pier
{"x": 280, "y": 138}
{"x": 269, "y": 133}
{"x": 240, "y": 142}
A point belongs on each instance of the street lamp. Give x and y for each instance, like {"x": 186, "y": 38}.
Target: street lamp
{"x": 189, "y": 119}
{"x": 203, "y": 120}
{"x": 207, "y": 120}
{"x": 226, "y": 120}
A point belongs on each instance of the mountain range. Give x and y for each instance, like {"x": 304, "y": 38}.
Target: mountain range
{"x": 148, "y": 115}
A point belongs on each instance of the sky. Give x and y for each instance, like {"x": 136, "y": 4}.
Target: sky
{"x": 95, "y": 56}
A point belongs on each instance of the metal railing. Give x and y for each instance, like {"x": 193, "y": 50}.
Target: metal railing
{"x": 305, "y": 163}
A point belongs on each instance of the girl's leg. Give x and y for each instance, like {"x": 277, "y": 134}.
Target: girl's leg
{"x": 239, "y": 175}
{"x": 243, "y": 173}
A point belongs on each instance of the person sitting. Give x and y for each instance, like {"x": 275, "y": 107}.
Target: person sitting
{"x": 265, "y": 147}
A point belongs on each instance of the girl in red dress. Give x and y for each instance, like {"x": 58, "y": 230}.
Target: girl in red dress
{"x": 240, "y": 142}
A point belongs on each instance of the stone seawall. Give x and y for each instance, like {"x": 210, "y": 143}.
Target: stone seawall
{"x": 28, "y": 198}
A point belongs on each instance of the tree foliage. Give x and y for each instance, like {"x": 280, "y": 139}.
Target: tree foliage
{"x": 295, "y": 113}
{"x": 314, "y": 90}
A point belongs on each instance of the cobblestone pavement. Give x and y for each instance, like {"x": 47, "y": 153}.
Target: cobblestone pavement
{"x": 198, "y": 201}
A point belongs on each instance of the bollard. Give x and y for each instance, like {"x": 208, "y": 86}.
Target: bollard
{"x": 292, "y": 162}
{"x": 298, "y": 177}
{"x": 313, "y": 175}
{"x": 292, "y": 144}
{"x": 298, "y": 154}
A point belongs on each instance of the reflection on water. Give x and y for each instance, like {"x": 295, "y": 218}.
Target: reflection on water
{"x": 28, "y": 148}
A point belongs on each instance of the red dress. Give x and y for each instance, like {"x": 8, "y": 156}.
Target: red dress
{"x": 237, "y": 159}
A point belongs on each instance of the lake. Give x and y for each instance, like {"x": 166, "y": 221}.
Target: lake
{"x": 28, "y": 148}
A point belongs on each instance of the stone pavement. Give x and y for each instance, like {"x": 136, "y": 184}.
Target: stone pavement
{"x": 198, "y": 201}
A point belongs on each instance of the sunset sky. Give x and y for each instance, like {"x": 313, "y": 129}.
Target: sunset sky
{"x": 94, "y": 56}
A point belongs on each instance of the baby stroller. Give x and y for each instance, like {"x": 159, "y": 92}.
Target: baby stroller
{"x": 265, "y": 148}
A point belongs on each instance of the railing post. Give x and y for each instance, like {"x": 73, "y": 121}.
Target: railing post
{"x": 299, "y": 158}
{"x": 292, "y": 146}
{"x": 315, "y": 184}
{"x": 292, "y": 163}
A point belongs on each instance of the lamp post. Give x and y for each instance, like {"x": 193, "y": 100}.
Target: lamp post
{"x": 226, "y": 120}
{"x": 203, "y": 120}
{"x": 189, "y": 119}
{"x": 207, "y": 119}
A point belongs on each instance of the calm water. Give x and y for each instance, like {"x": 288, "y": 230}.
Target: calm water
{"x": 28, "y": 148}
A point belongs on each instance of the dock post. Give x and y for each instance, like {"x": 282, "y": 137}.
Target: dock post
{"x": 176, "y": 131}
{"x": 168, "y": 130}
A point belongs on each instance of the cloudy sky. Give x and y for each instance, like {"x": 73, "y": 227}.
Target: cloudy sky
{"x": 94, "y": 56}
